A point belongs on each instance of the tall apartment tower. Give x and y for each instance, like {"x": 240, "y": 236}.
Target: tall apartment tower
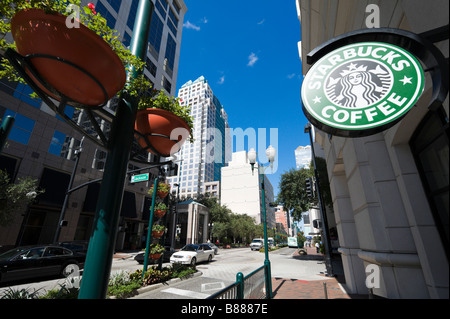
{"x": 201, "y": 161}
{"x": 41, "y": 145}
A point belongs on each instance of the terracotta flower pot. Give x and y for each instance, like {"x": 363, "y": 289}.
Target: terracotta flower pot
{"x": 161, "y": 194}
{"x": 159, "y": 213}
{"x": 155, "y": 256}
{"x": 161, "y": 122}
{"x": 157, "y": 234}
{"x": 66, "y": 52}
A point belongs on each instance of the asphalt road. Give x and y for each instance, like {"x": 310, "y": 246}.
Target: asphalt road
{"x": 216, "y": 275}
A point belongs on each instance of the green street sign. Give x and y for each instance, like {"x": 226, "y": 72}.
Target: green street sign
{"x": 361, "y": 89}
{"x": 139, "y": 178}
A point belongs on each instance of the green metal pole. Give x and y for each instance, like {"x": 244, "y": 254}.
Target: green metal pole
{"x": 99, "y": 257}
{"x": 149, "y": 232}
{"x": 5, "y": 128}
{"x": 266, "y": 246}
{"x": 240, "y": 288}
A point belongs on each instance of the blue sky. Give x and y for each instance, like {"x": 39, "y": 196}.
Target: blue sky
{"x": 247, "y": 50}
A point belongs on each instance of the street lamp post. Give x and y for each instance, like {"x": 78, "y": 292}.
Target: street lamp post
{"x": 270, "y": 153}
{"x": 66, "y": 197}
{"x": 323, "y": 215}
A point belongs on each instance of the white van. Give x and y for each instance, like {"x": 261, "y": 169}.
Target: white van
{"x": 257, "y": 244}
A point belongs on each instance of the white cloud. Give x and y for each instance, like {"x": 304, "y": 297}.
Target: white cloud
{"x": 252, "y": 58}
{"x": 221, "y": 80}
{"x": 189, "y": 25}
{"x": 204, "y": 20}
{"x": 261, "y": 22}
{"x": 291, "y": 76}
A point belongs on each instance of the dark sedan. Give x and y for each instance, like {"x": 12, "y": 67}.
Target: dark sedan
{"x": 38, "y": 261}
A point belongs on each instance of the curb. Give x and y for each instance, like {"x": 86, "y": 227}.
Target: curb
{"x": 160, "y": 285}
{"x": 166, "y": 283}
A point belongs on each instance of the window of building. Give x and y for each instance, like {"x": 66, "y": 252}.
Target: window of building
{"x": 110, "y": 20}
{"x": 23, "y": 92}
{"x": 22, "y": 128}
{"x": 170, "y": 54}
{"x": 115, "y": 4}
{"x": 430, "y": 148}
{"x": 155, "y": 35}
{"x": 132, "y": 14}
{"x": 172, "y": 22}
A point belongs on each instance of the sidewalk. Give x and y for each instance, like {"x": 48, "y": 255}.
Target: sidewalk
{"x": 328, "y": 288}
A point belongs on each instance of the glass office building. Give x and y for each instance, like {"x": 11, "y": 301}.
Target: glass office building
{"x": 41, "y": 144}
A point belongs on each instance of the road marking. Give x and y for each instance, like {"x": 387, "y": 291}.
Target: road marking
{"x": 186, "y": 293}
{"x": 213, "y": 286}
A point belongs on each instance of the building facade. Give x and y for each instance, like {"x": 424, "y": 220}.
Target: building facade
{"x": 390, "y": 189}
{"x": 42, "y": 145}
{"x": 202, "y": 160}
{"x": 241, "y": 190}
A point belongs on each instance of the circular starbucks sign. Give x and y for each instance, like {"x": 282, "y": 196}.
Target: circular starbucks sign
{"x": 361, "y": 89}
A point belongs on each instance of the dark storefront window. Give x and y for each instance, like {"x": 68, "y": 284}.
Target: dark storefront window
{"x": 430, "y": 148}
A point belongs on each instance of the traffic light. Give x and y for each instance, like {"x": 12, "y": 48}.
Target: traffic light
{"x": 309, "y": 187}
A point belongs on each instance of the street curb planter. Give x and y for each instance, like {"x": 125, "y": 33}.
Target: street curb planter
{"x": 74, "y": 63}
{"x": 160, "y": 132}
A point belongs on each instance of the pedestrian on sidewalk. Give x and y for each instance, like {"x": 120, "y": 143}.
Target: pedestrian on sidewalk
{"x": 317, "y": 247}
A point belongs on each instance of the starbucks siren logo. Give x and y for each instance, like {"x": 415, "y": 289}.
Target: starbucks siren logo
{"x": 361, "y": 89}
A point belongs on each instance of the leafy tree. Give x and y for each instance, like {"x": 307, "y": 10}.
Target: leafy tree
{"x": 15, "y": 197}
{"x": 293, "y": 194}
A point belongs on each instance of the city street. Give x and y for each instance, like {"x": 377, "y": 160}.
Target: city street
{"x": 222, "y": 271}
{"x": 215, "y": 276}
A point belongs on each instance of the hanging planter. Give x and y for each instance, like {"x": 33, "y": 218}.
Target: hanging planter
{"x": 155, "y": 256}
{"x": 160, "y": 132}
{"x": 158, "y": 231}
{"x": 162, "y": 123}
{"x": 162, "y": 191}
{"x": 155, "y": 251}
{"x": 160, "y": 210}
{"x": 72, "y": 62}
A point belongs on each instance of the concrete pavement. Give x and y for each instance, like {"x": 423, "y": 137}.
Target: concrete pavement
{"x": 316, "y": 287}
{"x": 304, "y": 278}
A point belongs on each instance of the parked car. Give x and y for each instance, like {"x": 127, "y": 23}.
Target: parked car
{"x": 166, "y": 256}
{"x": 192, "y": 254}
{"x": 213, "y": 247}
{"x": 77, "y": 246}
{"x": 257, "y": 244}
{"x": 38, "y": 261}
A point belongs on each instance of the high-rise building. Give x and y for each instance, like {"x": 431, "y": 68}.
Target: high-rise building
{"x": 202, "y": 160}
{"x": 241, "y": 190}
{"x": 42, "y": 146}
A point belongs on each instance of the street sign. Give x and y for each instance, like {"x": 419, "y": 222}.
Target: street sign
{"x": 139, "y": 178}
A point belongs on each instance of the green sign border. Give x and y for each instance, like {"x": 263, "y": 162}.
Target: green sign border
{"x": 314, "y": 100}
